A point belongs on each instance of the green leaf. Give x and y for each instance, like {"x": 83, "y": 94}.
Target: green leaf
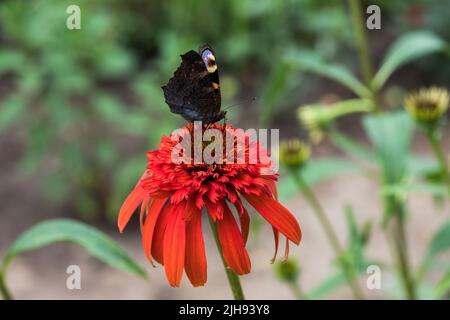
{"x": 274, "y": 90}
{"x": 116, "y": 63}
{"x": 440, "y": 242}
{"x": 310, "y": 61}
{"x": 422, "y": 167}
{"x": 438, "y": 245}
{"x": 420, "y": 179}
{"x": 407, "y": 48}
{"x": 323, "y": 169}
{"x": 11, "y": 110}
{"x": 109, "y": 108}
{"x": 391, "y": 134}
{"x": 353, "y": 230}
{"x": 417, "y": 188}
{"x": 351, "y": 146}
{"x": 355, "y": 251}
{"x": 357, "y": 240}
{"x": 11, "y": 60}
{"x": 443, "y": 286}
{"x": 316, "y": 171}
{"x": 95, "y": 242}
{"x": 329, "y": 285}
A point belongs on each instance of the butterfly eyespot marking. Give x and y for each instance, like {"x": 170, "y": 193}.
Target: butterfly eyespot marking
{"x": 209, "y": 60}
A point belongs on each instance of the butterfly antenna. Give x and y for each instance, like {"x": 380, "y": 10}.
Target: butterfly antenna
{"x": 240, "y": 103}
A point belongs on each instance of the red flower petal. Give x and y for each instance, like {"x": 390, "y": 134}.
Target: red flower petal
{"x": 276, "y": 236}
{"x": 149, "y": 225}
{"x": 157, "y": 247}
{"x": 195, "y": 262}
{"x": 286, "y": 251}
{"x": 272, "y": 187}
{"x": 245, "y": 224}
{"x": 232, "y": 243}
{"x": 174, "y": 247}
{"x": 277, "y": 215}
{"x": 133, "y": 200}
{"x": 190, "y": 210}
{"x": 243, "y": 217}
{"x": 145, "y": 204}
{"x": 215, "y": 210}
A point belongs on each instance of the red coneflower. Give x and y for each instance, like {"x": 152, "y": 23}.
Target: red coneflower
{"x": 172, "y": 197}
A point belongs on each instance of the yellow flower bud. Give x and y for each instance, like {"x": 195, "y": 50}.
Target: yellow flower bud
{"x": 427, "y": 105}
{"x": 294, "y": 153}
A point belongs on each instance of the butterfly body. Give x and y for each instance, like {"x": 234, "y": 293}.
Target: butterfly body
{"x": 194, "y": 90}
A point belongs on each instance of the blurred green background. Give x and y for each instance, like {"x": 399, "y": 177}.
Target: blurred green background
{"x": 79, "y": 108}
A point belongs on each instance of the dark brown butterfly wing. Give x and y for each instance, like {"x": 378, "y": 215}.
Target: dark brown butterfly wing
{"x": 191, "y": 92}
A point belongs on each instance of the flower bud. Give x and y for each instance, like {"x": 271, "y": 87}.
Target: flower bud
{"x": 294, "y": 153}
{"x": 427, "y": 106}
{"x": 315, "y": 119}
{"x": 288, "y": 270}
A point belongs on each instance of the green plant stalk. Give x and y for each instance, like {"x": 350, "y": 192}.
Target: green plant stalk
{"x": 3, "y": 288}
{"x": 233, "y": 278}
{"x": 297, "y": 290}
{"x": 365, "y": 58}
{"x": 397, "y": 235}
{"x": 433, "y": 138}
{"x": 340, "y": 110}
{"x": 348, "y": 269}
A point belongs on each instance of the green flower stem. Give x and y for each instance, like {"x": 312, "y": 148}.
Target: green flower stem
{"x": 233, "y": 278}
{"x": 343, "y": 109}
{"x": 433, "y": 137}
{"x": 3, "y": 288}
{"x": 365, "y": 59}
{"x": 297, "y": 290}
{"x": 348, "y": 269}
{"x": 399, "y": 244}
{"x": 403, "y": 260}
